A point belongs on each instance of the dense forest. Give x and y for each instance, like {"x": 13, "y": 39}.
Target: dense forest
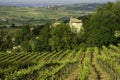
{"x": 100, "y": 28}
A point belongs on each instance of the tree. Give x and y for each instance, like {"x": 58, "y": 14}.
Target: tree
{"x": 12, "y": 25}
{"x": 62, "y": 38}
{"x": 100, "y": 27}
{"x": 25, "y": 32}
{"x": 26, "y": 46}
{"x": 42, "y": 41}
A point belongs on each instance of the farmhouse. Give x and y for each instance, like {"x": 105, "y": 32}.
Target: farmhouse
{"x": 75, "y": 24}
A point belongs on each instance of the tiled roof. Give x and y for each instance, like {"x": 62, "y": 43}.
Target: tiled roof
{"x": 74, "y": 20}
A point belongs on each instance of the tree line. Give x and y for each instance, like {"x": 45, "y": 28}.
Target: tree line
{"x": 39, "y": 38}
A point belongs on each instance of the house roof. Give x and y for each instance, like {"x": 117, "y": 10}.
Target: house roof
{"x": 74, "y": 20}
{"x": 56, "y": 23}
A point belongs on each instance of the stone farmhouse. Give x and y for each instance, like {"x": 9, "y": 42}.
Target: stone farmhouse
{"x": 75, "y": 25}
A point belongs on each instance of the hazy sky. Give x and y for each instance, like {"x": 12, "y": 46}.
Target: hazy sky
{"x": 53, "y": 1}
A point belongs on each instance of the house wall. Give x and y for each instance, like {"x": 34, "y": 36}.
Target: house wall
{"x": 75, "y": 27}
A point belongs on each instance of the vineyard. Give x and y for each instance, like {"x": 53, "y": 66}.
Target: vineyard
{"x": 82, "y": 64}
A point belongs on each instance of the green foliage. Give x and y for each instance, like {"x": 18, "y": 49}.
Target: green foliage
{"x": 25, "y": 32}
{"x": 26, "y": 46}
{"x": 85, "y": 67}
{"x": 109, "y": 61}
{"x": 100, "y": 27}
{"x": 62, "y": 38}
{"x": 41, "y": 42}
{"x": 84, "y": 64}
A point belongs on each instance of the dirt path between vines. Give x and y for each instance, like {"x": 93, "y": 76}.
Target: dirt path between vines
{"x": 75, "y": 73}
{"x": 96, "y": 72}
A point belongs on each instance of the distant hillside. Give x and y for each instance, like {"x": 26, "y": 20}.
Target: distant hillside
{"x": 86, "y": 7}
{"x": 32, "y": 15}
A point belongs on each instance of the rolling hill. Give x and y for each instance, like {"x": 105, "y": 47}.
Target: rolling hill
{"x": 33, "y": 15}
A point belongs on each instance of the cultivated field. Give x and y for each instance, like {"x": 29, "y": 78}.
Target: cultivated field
{"x": 82, "y": 64}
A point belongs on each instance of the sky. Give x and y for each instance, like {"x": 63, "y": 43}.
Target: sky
{"x": 53, "y": 1}
{"x": 15, "y": 2}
